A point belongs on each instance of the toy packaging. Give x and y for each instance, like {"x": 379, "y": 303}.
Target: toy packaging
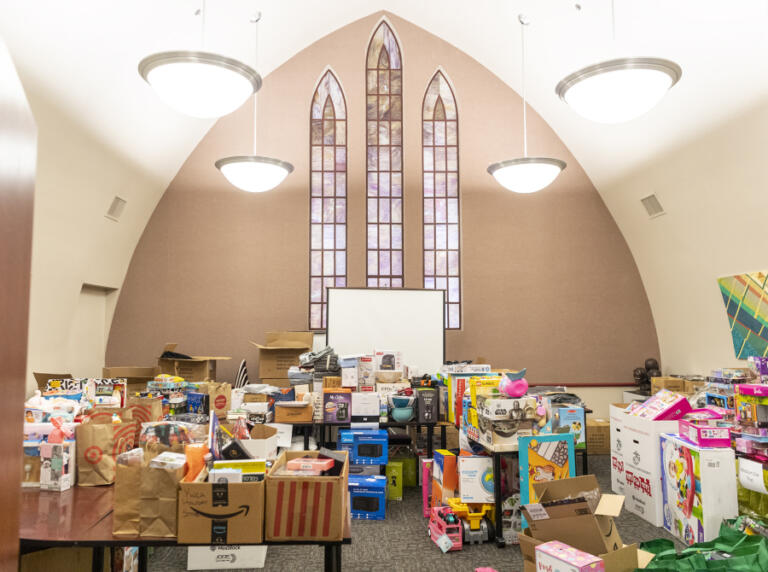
{"x": 476, "y": 479}
{"x": 426, "y": 486}
{"x": 663, "y": 406}
{"x": 57, "y": 466}
{"x": 556, "y": 556}
{"x": 109, "y": 392}
{"x": 570, "y": 420}
{"x": 752, "y": 405}
{"x": 445, "y": 483}
{"x": 337, "y": 405}
{"x": 368, "y": 497}
{"x": 706, "y": 433}
{"x": 395, "y": 480}
{"x": 544, "y": 458}
{"x": 698, "y": 488}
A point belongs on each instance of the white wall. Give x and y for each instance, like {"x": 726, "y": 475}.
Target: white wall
{"x": 715, "y": 192}
{"x": 77, "y": 177}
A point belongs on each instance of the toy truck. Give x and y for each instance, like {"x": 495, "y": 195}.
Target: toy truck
{"x": 443, "y": 521}
{"x": 476, "y": 520}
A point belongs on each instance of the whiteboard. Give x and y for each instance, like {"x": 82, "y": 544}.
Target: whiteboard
{"x": 361, "y": 320}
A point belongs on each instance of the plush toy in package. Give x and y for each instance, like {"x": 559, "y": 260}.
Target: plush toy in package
{"x": 106, "y": 392}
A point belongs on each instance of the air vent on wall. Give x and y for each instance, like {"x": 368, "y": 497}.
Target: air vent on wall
{"x": 116, "y": 209}
{"x": 652, "y": 206}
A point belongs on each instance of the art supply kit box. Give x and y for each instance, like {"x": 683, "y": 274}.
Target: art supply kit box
{"x": 698, "y": 488}
{"x": 368, "y": 496}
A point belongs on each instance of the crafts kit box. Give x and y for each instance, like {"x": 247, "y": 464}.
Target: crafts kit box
{"x": 698, "y": 488}
{"x": 636, "y": 462}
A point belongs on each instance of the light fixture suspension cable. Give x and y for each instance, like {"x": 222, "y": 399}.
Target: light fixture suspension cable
{"x": 523, "y": 24}
{"x": 613, "y": 22}
{"x": 255, "y": 19}
{"x": 202, "y": 25}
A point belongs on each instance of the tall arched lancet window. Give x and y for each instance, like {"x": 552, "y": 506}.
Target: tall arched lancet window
{"x": 384, "y": 152}
{"x": 328, "y": 195}
{"x": 440, "y": 143}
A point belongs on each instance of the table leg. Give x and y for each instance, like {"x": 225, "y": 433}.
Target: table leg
{"x": 333, "y": 557}
{"x": 430, "y": 436}
{"x": 97, "y": 559}
{"x": 497, "y": 499}
{"x": 442, "y": 436}
{"x": 585, "y": 460}
{"x": 143, "y": 559}
{"x": 307, "y": 429}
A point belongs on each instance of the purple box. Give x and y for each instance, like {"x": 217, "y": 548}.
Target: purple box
{"x": 337, "y": 406}
{"x": 759, "y": 364}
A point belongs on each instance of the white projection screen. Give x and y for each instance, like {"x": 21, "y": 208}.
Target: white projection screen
{"x": 361, "y": 320}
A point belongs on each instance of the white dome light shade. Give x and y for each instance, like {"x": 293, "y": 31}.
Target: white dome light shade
{"x": 618, "y": 90}
{"x": 254, "y": 174}
{"x": 527, "y": 174}
{"x": 200, "y": 84}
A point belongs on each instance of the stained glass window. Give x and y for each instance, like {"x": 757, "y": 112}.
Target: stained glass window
{"x": 384, "y": 122}
{"x": 440, "y": 147}
{"x": 328, "y": 195}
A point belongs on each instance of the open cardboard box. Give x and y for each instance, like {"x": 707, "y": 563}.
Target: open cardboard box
{"x": 281, "y": 351}
{"x": 42, "y": 378}
{"x": 578, "y": 523}
{"x": 136, "y": 377}
{"x": 197, "y": 368}
{"x": 626, "y": 559}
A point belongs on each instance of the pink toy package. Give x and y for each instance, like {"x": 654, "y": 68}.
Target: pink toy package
{"x": 705, "y": 432}
{"x": 426, "y": 486}
{"x": 664, "y": 406}
{"x": 554, "y": 556}
{"x": 709, "y": 412}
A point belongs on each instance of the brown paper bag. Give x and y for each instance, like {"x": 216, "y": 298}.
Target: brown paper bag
{"x": 99, "y": 441}
{"x": 125, "y": 518}
{"x": 159, "y": 497}
{"x": 220, "y": 395}
{"x": 146, "y": 409}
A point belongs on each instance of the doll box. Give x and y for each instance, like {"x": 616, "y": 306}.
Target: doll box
{"x": 705, "y": 433}
{"x": 698, "y": 488}
{"x": 555, "y": 555}
{"x": 663, "y": 406}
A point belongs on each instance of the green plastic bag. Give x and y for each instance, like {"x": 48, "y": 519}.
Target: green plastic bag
{"x": 732, "y": 550}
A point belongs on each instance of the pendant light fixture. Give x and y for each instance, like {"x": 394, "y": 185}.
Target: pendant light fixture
{"x": 526, "y": 174}
{"x": 199, "y": 83}
{"x": 254, "y": 173}
{"x": 618, "y": 90}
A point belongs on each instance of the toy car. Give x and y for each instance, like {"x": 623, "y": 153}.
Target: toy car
{"x": 476, "y": 520}
{"x": 443, "y": 521}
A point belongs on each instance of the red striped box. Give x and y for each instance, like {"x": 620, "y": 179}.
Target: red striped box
{"x": 305, "y": 508}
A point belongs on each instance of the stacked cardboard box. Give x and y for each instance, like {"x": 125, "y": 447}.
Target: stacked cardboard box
{"x": 281, "y": 351}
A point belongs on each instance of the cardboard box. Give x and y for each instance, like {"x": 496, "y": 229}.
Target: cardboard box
{"x": 225, "y": 557}
{"x": 616, "y": 418}
{"x": 641, "y": 462}
{"x": 698, "y": 488}
{"x": 137, "y": 377}
{"x": 395, "y": 480}
{"x": 584, "y": 524}
{"x": 598, "y": 437}
{"x": 366, "y": 367}
{"x": 445, "y": 478}
{"x": 305, "y": 508}
{"x": 281, "y": 351}
{"x": 625, "y": 559}
{"x": 293, "y": 412}
{"x": 221, "y": 513}
{"x": 277, "y": 382}
{"x": 332, "y": 382}
{"x": 365, "y": 406}
{"x": 554, "y": 555}
{"x": 476, "y": 479}
{"x": 692, "y": 387}
{"x": 197, "y": 368}
{"x": 263, "y": 442}
{"x": 42, "y": 378}
{"x": 674, "y": 384}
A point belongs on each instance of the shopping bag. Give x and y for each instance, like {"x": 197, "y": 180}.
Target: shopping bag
{"x": 220, "y": 396}
{"x": 158, "y": 501}
{"x": 125, "y": 516}
{"x": 146, "y": 409}
{"x": 99, "y": 442}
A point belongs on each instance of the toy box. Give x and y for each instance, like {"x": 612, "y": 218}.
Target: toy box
{"x": 706, "y": 433}
{"x": 476, "y": 479}
{"x": 365, "y": 446}
{"x": 57, "y": 466}
{"x": 445, "y": 483}
{"x": 752, "y": 404}
{"x": 570, "y": 420}
{"x": 635, "y": 462}
{"x": 426, "y": 486}
{"x": 698, "y": 488}
{"x": 395, "y": 480}
{"x": 544, "y": 458}
{"x": 337, "y": 405}
{"x": 555, "y": 555}
{"x": 109, "y": 392}
{"x": 457, "y": 383}
{"x": 493, "y": 406}
{"x": 368, "y": 497}
{"x": 663, "y": 406}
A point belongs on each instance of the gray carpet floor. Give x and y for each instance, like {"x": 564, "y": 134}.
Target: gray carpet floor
{"x": 400, "y": 543}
